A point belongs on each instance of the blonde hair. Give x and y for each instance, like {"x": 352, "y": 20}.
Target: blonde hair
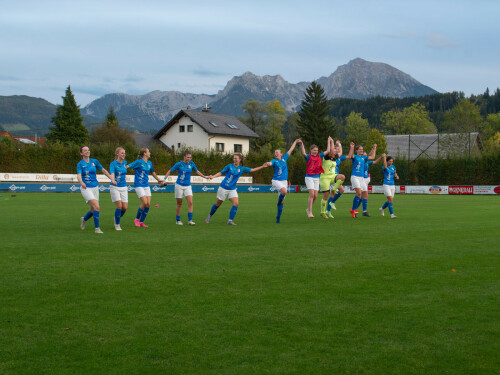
{"x": 142, "y": 151}
{"x": 118, "y": 149}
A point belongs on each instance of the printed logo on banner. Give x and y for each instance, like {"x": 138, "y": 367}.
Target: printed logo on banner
{"x": 74, "y": 188}
{"x": 482, "y": 189}
{"x": 462, "y": 190}
{"x": 45, "y": 188}
{"x": 14, "y": 187}
{"x": 370, "y": 188}
{"x": 6, "y": 176}
{"x": 272, "y": 189}
{"x": 206, "y": 188}
{"x": 435, "y": 189}
{"x": 496, "y": 190}
{"x": 41, "y": 177}
{"x": 253, "y": 189}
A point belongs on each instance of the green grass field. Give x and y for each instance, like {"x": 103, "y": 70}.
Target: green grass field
{"x": 308, "y": 296}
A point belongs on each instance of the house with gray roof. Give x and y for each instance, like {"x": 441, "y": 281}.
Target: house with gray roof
{"x": 207, "y": 131}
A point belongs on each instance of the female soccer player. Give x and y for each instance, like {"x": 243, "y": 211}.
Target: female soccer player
{"x": 333, "y": 197}
{"x": 389, "y": 186}
{"x": 119, "y": 193}
{"x": 366, "y": 176}
{"x": 227, "y": 188}
{"x": 357, "y": 173}
{"x": 280, "y": 177}
{"x": 183, "y": 186}
{"x": 86, "y": 174}
{"x": 313, "y": 171}
{"x": 142, "y": 168}
{"x": 329, "y": 181}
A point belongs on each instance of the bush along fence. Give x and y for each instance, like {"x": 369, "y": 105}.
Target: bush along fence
{"x": 465, "y": 169}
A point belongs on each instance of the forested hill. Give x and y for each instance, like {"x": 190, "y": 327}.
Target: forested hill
{"x": 437, "y": 104}
{"x": 25, "y": 115}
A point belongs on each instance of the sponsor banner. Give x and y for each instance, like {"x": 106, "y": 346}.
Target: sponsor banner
{"x": 402, "y": 189}
{"x": 462, "y": 190}
{"x": 486, "y": 190}
{"x": 72, "y": 178}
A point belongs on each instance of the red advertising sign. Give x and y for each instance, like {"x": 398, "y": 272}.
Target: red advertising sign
{"x": 468, "y": 190}
{"x": 402, "y": 189}
{"x": 497, "y": 190}
{"x": 370, "y": 189}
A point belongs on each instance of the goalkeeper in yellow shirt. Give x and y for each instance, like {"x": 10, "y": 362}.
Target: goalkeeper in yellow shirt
{"x": 329, "y": 182}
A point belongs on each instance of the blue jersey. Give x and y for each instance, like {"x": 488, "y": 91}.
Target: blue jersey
{"x": 367, "y": 167}
{"x": 88, "y": 171}
{"x": 389, "y": 173}
{"x": 142, "y": 170}
{"x": 339, "y": 160}
{"x": 185, "y": 169}
{"x": 120, "y": 171}
{"x": 358, "y": 165}
{"x": 232, "y": 175}
{"x": 280, "y": 168}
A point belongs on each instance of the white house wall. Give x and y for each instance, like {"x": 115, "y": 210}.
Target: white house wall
{"x": 198, "y": 139}
{"x": 229, "y": 143}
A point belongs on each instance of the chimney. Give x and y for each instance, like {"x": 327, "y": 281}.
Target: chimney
{"x": 206, "y": 108}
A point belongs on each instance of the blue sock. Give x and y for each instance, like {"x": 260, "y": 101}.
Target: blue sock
{"x": 123, "y": 212}
{"x": 88, "y": 215}
{"x": 232, "y": 213}
{"x": 355, "y": 202}
{"x": 118, "y": 215}
{"x": 96, "y": 219}
{"x": 385, "y": 205}
{"x": 390, "y": 208}
{"x": 139, "y": 213}
{"x": 144, "y": 214}
{"x": 336, "y": 196}
{"x": 214, "y": 208}
{"x": 280, "y": 210}
{"x": 365, "y": 204}
{"x": 190, "y": 216}
{"x": 280, "y": 198}
{"x": 177, "y": 217}
{"x": 328, "y": 207}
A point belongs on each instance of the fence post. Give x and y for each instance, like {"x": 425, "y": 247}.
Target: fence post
{"x": 468, "y": 162}
{"x": 408, "y": 174}
{"x": 437, "y": 165}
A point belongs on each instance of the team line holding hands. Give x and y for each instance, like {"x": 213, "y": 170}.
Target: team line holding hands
{"x": 322, "y": 175}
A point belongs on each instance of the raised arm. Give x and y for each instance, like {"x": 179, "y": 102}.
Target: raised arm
{"x": 372, "y": 153}
{"x": 292, "y": 147}
{"x": 351, "y": 151}
{"x": 378, "y": 159}
{"x": 265, "y": 165}
{"x": 384, "y": 156}
{"x": 339, "y": 148}
{"x": 302, "y": 148}
{"x": 328, "y": 146}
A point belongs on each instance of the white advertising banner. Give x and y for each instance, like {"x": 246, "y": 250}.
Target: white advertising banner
{"x": 71, "y": 178}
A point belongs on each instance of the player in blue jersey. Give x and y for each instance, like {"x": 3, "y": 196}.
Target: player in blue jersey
{"x": 86, "y": 173}
{"x": 183, "y": 186}
{"x": 280, "y": 177}
{"x": 227, "y": 188}
{"x": 142, "y": 168}
{"x": 119, "y": 193}
{"x": 357, "y": 173}
{"x": 389, "y": 186}
{"x": 334, "y": 196}
{"x": 366, "y": 175}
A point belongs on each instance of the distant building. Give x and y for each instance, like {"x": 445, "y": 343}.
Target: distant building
{"x": 26, "y": 140}
{"x": 432, "y": 145}
{"x": 207, "y": 131}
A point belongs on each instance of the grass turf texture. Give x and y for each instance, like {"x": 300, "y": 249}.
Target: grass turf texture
{"x": 308, "y": 296}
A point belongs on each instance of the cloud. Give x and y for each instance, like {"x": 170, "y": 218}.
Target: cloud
{"x": 207, "y": 73}
{"x": 10, "y": 78}
{"x": 440, "y": 41}
{"x": 133, "y": 78}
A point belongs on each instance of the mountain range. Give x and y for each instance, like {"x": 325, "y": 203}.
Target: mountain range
{"x": 358, "y": 79}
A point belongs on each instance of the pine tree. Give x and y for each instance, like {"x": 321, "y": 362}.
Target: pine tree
{"x": 110, "y": 131}
{"x": 314, "y": 126}
{"x": 68, "y": 122}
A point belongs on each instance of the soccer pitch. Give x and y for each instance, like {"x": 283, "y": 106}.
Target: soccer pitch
{"x": 413, "y": 295}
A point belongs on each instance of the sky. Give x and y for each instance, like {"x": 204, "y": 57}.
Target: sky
{"x": 135, "y": 47}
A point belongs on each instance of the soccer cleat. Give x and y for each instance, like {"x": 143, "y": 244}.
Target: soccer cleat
{"x": 143, "y": 225}
{"x": 381, "y": 211}
{"x": 178, "y": 222}
{"x": 324, "y": 216}
{"x": 117, "y": 227}
{"x": 353, "y": 213}
{"x": 191, "y": 222}
{"x": 82, "y": 223}
{"x": 230, "y": 222}
{"x": 356, "y": 211}
{"x": 277, "y": 220}
{"x": 137, "y": 222}
{"x": 393, "y": 216}
{"x": 332, "y": 205}
{"x": 329, "y": 214}
{"x": 365, "y": 213}
{"x": 98, "y": 230}
{"x": 207, "y": 220}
